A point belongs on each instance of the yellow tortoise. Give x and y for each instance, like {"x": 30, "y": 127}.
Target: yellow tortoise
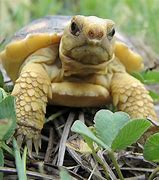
{"x": 71, "y": 61}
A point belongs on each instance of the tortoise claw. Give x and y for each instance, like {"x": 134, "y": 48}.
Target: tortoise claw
{"x": 37, "y": 144}
{"x": 29, "y": 146}
{"x": 29, "y": 139}
{"x": 20, "y": 140}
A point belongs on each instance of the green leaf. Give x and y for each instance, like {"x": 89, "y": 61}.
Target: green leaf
{"x": 1, "y": 162}
{"x": 7, "y": 118}
{"x": 130, "y": 133}
{"x": 151, "y": 148}
{"x": 138, "y": 76}
{"x": 1, "y": 158}
{"x": 64, "y": 175}
{"x": 147, "y": 77}
{"x": 108, "y": 124}
{"x": 150, "y": 77}
{"x": 1, "y": 79}
{"x": 3, "y": 94}
{"x": 6, "y": 148}
{"x": 154, "y": 95}
{"x": 79, "y": 127}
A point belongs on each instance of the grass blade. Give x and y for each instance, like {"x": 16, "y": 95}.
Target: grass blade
{"x": 18, "y": 161}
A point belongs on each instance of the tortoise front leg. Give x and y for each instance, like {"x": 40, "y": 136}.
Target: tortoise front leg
{"x": 31, "y": 90}
{"x": 130, "y": 95}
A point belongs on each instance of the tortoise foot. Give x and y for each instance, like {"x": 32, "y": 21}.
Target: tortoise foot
{"x": 29, "y": 136}
{"x": 130, "y": 96}
{"x": 31, "y": 91}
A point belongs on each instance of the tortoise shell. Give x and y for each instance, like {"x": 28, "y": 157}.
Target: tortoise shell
{"x": 47, "y": 31}
{"x": 37, "y": 34}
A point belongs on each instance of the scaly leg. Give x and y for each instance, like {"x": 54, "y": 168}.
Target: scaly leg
{"x": 31, "y": 90}
{"x": 129, "y": 95}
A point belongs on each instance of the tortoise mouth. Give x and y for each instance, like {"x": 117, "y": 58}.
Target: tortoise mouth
{"x": 89, "y": 54}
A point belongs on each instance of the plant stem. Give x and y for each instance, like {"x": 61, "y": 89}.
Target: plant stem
{"x": 24, "y": 157}
{"x": 18, "y": 162}
{"x": 153, "y": 174}
{"x": 7, "y": 148}
{"x": 98, "y": 159}
{"x": 111, "y": 155}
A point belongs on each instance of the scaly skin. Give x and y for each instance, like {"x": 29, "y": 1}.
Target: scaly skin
{"x": 130, "y": 95}
{"x": 31, "y": 90}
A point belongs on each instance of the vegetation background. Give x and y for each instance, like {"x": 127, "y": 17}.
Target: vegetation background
{"x": 134, "y": 18}
{"x": 138, "y": 18}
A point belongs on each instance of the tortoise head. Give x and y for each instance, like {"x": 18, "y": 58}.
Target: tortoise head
{"x": 88, "y": 40}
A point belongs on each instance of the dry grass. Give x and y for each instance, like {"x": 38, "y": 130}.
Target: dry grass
{"x": 54, "y": 153}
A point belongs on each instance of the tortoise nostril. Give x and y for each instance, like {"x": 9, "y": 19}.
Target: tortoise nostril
{"x": 91, "y": 34}
{"x": 100, "y": 34}
{"x": 95, "y": 34}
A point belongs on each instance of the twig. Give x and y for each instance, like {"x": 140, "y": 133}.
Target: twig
{"x": 77, "y": 158}
{"x": 90, "y": 176}
{"x": 154, "y": 173}
{"x": 94, "y": 163}
{"x": 30, "y": 173}
{"x": 63, "y": 140}
{"x": 99, "y": 160}
{"x": 56, "y": 125}
{"x": 56, "y": 115}
{"x": 50, "y": 146}
{"x": 141, "y": 177}
{"x": 111, "y": 173}
{"x": 155, "y": 123}
{"x": 137, "y": 169}
{"x": 68, "y": 169}
{"x": 81, "y": 116}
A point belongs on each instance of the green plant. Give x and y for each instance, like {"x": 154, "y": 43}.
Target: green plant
{"x": 64, "y": 175}
{"x": 140, "y": 20}
{"x": 7, "y": 128}
{"x": 149, "y": 78}
{"x": 1, "y": 79}
{"x": 151, "y": 152}
{"x": 7, "y": 122}
{"x": 112, "y": 132}
{"x": 151, "y": 148}
{"x": 7, "y": 118}
{"x": 20, "y": 162}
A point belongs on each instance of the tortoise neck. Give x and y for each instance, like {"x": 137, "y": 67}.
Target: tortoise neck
{"x": 72, "y": 67}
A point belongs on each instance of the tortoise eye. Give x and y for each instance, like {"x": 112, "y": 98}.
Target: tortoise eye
{"x": 74, "y": 29}
{"x": 111, "y": 34}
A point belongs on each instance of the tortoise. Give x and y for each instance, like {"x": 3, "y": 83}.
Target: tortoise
{"x": 71, "y": 61}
